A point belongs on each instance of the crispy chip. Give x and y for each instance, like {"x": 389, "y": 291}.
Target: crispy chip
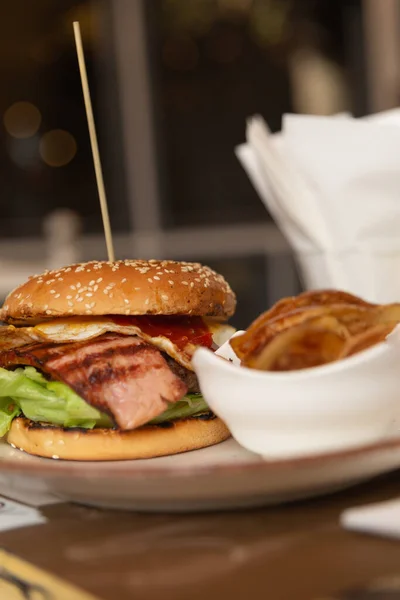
{"x": 354, "y": 318}
{"x": 365, "y": 340}
{"x": 307, "y": 299}
{"x": 315, "y": 342}
{"x": 314, "y": 328}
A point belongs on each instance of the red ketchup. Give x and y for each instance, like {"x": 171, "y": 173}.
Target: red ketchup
{"x": 180, "y": 330}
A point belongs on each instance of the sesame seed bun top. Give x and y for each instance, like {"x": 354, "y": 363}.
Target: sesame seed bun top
{"x": 125, "y": 287}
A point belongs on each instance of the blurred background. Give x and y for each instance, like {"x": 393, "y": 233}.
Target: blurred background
{"x": 172, "y": 83}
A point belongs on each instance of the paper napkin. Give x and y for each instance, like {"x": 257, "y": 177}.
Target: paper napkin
{"x": 332, "y": 184}
{"x": 382, "y": 518}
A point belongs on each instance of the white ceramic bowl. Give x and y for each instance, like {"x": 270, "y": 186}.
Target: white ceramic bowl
{"x": 341, "y": 405}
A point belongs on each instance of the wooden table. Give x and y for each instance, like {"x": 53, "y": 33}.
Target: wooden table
{"x": 293, "y": 552}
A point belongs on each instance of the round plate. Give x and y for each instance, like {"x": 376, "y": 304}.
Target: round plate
{"x": 224, "y": 476}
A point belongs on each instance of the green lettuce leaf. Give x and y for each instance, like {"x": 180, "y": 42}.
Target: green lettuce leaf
{"x": 8, "y": 410}
{"x": 46, "y": 401}
{"x": 190, "y": 405}
{"x": 26, "y": 391}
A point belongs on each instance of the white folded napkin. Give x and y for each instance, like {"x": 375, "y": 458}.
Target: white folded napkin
{"x": 14, "y": 515}
{"x": 332, "y": 184}
{"x": 31, "y": 493}
{"x": 382, "y": 518}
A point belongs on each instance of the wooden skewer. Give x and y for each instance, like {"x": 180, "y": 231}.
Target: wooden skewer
{"x": 93, "y": 141}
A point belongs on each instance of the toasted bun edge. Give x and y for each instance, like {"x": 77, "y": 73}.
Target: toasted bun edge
{"x": 150, "y": 441}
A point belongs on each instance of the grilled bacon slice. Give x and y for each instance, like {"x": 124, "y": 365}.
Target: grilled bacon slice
{"x": 120, "y": 375}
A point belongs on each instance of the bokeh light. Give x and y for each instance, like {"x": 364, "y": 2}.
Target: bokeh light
{"x": 57, "y": 148}
{"x": 22, "y": 120}
{"x": 268, "y": 23}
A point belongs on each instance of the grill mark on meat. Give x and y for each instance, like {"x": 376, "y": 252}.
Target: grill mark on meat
{"x": 120, "y": 375}
{"x": 107, "y": 373}
{"x": 105, "y": 354}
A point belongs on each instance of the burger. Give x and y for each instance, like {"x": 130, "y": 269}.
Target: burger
{"x": 95, "y": 359}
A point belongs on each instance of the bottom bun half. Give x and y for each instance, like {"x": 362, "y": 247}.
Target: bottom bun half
{"x": 150, "y": 441}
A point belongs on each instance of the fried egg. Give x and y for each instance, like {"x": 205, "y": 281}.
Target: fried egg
{"x": 79, "y": 329}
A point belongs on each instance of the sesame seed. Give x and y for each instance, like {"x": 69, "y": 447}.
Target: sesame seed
{"x": 72, "y": 287}
{"x": 191, "y": 284}
{"x": 128, "y": 311}
{"x": 68, "y": 297}
{"x": 150, "y": 280}
{"x": 92, "y": 282}
{"x": 124, "y": 279}
{"x": 170, "y": 282}
{"x": 78, "y": 285}
{"x": 70, "y": 303}
{"x": 164, "y": 296}
{"x": 48, "y": 312}
{"x": 185, "y": 283}
{"x": 99, "y": 280}
{"x": 57, "y": 295}
{"x": 46, "y": 306}
{"x": 147, "y": 301}
{"x": 126, "y": 301}
{"x": 95, "y": 288}
{"x": 52, "y": 291}
{"x": 55, "y": 456}
{"x": 89, "y": 294}
{"x": 157, "y": 278}
{"x": 136, "y": 289}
